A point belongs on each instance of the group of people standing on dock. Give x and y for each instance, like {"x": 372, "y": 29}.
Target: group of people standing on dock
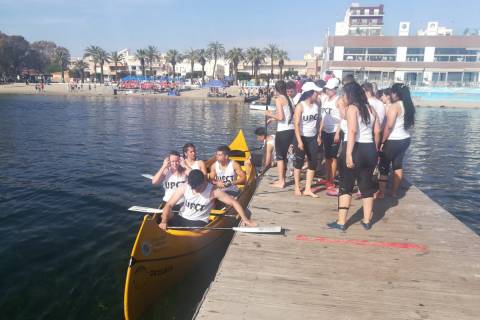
{"x": 358, "y": 130}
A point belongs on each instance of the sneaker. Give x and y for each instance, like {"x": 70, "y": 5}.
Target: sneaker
{"x": 330, "y": 185}
{"x": 335, "y": 225}
{"x": 332, "y": 192}
{"x": 322, "y": 181}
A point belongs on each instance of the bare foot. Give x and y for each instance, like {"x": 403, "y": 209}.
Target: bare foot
{"x": 298, "y": 193}
{"x": 278, "y": 184}
{"x": 310, "y": 193}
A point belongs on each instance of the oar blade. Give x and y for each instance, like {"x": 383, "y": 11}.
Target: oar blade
{"x": 148, "y": 176}
{"x": 270, "y": 229}
{"x": 145, "y": 209}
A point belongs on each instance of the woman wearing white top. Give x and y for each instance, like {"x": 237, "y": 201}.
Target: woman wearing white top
{"x": 396, "y": 138}
{"x": 306, "y": 122}
{"x": 359, "y": 157}
{"x": 285, "y": 130}
{"x": 172, "y": 175}
{"x": 190, "y": 159}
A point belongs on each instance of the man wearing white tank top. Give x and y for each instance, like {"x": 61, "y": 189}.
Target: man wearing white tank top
{"x": 172, "y": 175}
{"x": 226, "y": 174}
{"x": 200, "y": 196}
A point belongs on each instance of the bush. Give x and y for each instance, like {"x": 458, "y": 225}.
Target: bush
{"x": 196, "y": 74}
{"x": 53, "y": 67}
{"x": 290, "y": 73}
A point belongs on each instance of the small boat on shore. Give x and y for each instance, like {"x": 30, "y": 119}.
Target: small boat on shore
{"x": 262, "y": 107}
{"x": 160, "y": 259}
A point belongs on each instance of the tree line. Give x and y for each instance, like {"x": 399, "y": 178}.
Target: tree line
{"x": 19, "y": 57}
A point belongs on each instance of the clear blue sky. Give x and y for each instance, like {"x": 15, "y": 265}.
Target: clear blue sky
{"x": 295, "y": 26}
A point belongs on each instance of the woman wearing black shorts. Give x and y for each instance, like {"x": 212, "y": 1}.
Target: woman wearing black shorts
{"x": 285, "y": 130}
{"x": 396, "y": 138}
{"x": 306, "y": 120}
{"x": 359, "y": 155}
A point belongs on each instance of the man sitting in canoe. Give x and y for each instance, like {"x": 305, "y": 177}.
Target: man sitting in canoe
{"x": 199, "y": 196}
{"x": 226, "y": 174}
{"x": 173, "y": 175}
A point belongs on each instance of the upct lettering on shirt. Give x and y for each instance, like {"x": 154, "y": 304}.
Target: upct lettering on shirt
{"x": 310, "y": 117}
{"x": 226, "y": 178}
{"x": 194, "y": 206}
{"x": 173, "y": 184}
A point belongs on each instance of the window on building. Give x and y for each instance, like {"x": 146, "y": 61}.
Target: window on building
{"x": 439, "y": 76}
{"x": 456, "y": 54}
{"x": 415, "y": 54}
{"x": 454, "y": 76}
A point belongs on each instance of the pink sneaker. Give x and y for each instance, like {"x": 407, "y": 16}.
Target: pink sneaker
{"x": 322, "y": 181}
{"x": 332, "y": 192}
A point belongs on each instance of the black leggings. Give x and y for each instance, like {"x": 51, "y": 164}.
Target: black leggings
{"x": 365, "y": 159}
{"x": 329, "y": 145}
{"x": 283, "y": 140}
{"x": 310, "y": 147}
{"x": 179, "y": 221}
{"x": 393, "y": 153}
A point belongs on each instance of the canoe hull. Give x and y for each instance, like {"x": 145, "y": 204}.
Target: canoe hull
{"x": 160, "y": 259}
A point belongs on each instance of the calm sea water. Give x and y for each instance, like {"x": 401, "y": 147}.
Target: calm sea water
{"x": 70, "y": 166}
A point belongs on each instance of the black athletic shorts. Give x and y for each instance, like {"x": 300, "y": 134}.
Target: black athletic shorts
{"x": 310, "y": 146}
{"x": 283, "y": 140}
{"x": 329, "y": 145}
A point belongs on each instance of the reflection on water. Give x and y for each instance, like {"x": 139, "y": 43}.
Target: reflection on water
{"x": 69, "y": 168}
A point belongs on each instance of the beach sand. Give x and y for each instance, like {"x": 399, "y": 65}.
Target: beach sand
{"x": 194, "y": 94}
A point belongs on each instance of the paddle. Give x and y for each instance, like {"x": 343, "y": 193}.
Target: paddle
{"x": 213, "y": 212}
{"x": 148, "y": 176}
{"x": 273, "y": 229}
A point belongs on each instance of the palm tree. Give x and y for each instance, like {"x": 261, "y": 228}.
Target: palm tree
{"x": 215, "y": 50}
{"x": 81, "y": 65}
{"x": 191, "y": 55}
{"x": 116, "y": 58}
{"x": 235, "y": 55}
{"x": 282, "y": 56}
{"x": 256, "y": 56}
{"x": 173, "y": 57}
{"x": 272, "y": 51}
{"x": 102, "y": 57}
{"x": 152, "y": 54}
{"x": 141, "y": 55}
{"x": 202, "y": 57}
{"x": 92, "y": 53}
{"x": 62, "y": 57}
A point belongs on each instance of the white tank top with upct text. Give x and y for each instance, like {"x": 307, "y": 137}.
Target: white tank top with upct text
{"x": 286, "y": 124}
{"x": 195, "y": 165}
{"x": 197, "y": 206}
{"x": 226, "y": 175}
{"x": 309, "y": 120}
{"x": 399, "y": 132}
{"x": 330, "y": 114}
{"x": 171, "y": 184}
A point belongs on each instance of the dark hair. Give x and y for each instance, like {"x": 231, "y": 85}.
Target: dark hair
{"x": 387, "y": 91}
{"x": 281, "y": 88}
{"x": 225, "y": 149}
{"x": 186, "y": 146}
{"x": 348, "y": 79}
{"x": 403, "y": 93}
{"x": 174, "y": 153}
{"x": 356, "y": 96}
{"x": 291, "y": 85}
{"x": 368, "y": 87}
{"x": 379, "y": 93}
{"x": 195, "y": 178}
{"x": 305, "y": 95}
{"x": 320, "y": 83}
{"x": 260, "y": 131}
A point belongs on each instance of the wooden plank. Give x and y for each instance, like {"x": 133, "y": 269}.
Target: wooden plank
{"x": 417, "y": 262}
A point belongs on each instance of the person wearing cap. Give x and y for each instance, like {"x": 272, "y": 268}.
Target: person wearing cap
{"x": 226, "y": 174}
{"x": 199, "y": 196}
{"x": 306, "y": 118}
{"x": 330, "y": 129}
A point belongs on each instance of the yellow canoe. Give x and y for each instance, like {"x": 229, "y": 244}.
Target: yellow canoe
{"x": 159, "y": 259}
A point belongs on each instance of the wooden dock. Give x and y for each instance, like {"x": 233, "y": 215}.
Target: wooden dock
{"x": 417, "y": 262}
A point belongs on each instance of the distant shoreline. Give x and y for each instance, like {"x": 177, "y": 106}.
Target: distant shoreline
{"x": 61, "y": 89}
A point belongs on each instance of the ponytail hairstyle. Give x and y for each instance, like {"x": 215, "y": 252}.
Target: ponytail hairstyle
{"x": 281, "y": 87}
{"x": 356, "y": 96}
{"x": 403, "y": 93}
{"x": 186, "y": 147}
{"x": 305, "y": 95}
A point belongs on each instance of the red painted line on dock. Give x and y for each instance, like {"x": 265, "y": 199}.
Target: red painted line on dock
{"x": 382, "y": 244}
